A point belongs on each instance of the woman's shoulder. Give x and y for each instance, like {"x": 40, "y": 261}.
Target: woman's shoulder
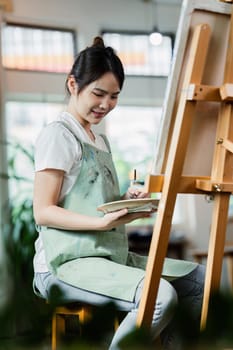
{"x": 56, "y": 130}
{"x": 56, "y": 126}
{"x": 56, "y": 148}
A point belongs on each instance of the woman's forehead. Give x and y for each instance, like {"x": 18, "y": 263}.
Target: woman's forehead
{"x": 107, "y": 82}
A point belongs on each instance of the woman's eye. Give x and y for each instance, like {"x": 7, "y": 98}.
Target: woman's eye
{"x": 98, "y": 95}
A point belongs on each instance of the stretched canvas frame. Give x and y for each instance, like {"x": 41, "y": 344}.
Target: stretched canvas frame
{"x": 217, "y": 15}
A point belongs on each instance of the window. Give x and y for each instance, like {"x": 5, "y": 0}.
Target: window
{"x": 140, "y": 55}
{"x": 132, "y": 132}
{"x": 37, "y": 48}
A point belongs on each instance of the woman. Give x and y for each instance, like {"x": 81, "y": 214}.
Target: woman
{"x": 81, "y": 251}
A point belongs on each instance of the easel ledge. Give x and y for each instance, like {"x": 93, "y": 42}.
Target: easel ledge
{"x": 189, "y": 184}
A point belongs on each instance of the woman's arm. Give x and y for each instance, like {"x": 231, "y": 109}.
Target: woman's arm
{"x": 47, "y": 187}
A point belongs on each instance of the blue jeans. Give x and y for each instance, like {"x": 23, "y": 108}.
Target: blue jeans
{"x": 188, "y": 288}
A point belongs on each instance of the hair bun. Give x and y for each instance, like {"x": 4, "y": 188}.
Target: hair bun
{"x": 98, "y": 41}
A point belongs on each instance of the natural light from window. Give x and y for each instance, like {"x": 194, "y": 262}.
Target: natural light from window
{"x": 132, "y": 132}
{"x": 37, "y": 49}
{"x": 139, "y": 55}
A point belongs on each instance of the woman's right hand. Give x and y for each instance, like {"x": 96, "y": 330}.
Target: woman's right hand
{"x": 120, "y": 217}
{"x": 47, "y": 186}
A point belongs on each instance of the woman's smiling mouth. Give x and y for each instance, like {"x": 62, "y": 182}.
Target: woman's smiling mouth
{"x": 98, "y": 114}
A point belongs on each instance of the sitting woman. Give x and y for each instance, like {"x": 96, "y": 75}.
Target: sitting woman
{"x": 80, "y": 250}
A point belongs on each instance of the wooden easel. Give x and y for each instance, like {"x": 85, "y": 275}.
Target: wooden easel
{"x": 219, "y": 183}
{"x": 6, "y": 5}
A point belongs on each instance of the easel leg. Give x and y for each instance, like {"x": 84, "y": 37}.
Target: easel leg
{"x": 216, "y": 250}
{"x": 221, "y": 171}
{"x": 179, "y": 142}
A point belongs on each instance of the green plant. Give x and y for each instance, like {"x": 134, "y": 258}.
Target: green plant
{"x": 19, "y": 231}
{"x": 23, "y": 312}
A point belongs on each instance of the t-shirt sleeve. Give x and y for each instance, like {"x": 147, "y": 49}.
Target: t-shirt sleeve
{"x": 56, "y": 148}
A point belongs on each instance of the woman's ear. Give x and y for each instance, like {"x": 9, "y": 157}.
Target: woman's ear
{"x": 72, "y": 85}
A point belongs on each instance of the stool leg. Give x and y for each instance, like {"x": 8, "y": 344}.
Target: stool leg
{"x": 116, "y": 323}
{"x": 58, "y": 328}
{"x": 85, "y": 314}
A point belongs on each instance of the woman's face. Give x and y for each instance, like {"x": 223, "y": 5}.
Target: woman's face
{"x": 95, "y": 101}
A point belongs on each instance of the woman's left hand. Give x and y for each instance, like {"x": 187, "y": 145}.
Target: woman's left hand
{"x": 135, "y": 193}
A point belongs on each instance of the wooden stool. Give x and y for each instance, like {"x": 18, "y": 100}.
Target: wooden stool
{"x": 82, "y": 311}
{"x": 199, "y": 255}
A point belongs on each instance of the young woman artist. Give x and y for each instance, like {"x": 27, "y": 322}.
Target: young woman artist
{"x": 80, "y": 250}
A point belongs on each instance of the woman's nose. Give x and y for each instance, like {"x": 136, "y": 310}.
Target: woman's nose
{"x": 104, "y": 104}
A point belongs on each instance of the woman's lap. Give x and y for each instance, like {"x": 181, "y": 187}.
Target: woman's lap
{"x": 187, "y": 289}
{"x": 46, "y": 282}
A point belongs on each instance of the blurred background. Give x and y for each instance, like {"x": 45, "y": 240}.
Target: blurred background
{"x": 39, "y": 40}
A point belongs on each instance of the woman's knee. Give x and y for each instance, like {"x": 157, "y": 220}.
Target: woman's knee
{"x": 167, "y": 296}
{"x": 165, "y": 306}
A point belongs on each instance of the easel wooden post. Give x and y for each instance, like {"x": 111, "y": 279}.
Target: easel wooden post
{"x": 222, "y": 175}
{"x": 220, "y": 182}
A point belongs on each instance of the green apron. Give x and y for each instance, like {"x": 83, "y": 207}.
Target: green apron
{"x": 98, "y": 261}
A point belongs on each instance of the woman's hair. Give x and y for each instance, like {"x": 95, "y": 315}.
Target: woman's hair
{"x": 95, "y": 61}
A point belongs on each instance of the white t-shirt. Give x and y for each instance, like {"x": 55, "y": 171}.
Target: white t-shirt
{"x": 57, "y": 148}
